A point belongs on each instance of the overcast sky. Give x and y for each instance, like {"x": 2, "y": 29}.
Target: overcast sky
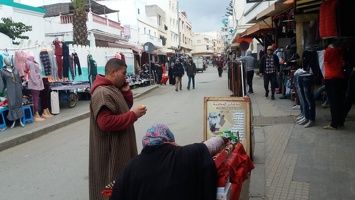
{"x": 205, "y": 15}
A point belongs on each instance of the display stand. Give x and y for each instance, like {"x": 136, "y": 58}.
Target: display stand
{"x": 229, "y": 113}
{"x": 68, "y": 91}
{"x": 234, "y": 167}
{"x": 237, "y": 79}
{"x": 230, "y": 117}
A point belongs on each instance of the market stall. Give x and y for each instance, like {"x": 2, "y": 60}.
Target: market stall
{"x": 68, "y": 91}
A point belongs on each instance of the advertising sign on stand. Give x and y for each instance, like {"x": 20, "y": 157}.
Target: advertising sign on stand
{"x": 232, "y": 115}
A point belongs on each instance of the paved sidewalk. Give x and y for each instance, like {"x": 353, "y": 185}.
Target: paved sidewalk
{"x": 17, "y": 135}
{"x": 293, "y": 162}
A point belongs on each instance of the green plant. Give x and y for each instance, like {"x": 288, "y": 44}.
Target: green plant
{"x": 14, "y": 29}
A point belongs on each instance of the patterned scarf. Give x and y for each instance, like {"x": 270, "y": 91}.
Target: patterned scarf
{"x": 157, "y": 135}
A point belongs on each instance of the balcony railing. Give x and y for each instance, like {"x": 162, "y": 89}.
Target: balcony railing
{"x": 68, "y": 19}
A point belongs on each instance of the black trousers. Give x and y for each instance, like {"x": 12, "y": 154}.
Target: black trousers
{"x": 272, "y": 79}
{"x": 250, "y": 76}
{"x": 334, "y": 88}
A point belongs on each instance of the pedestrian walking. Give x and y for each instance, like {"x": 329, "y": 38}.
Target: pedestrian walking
{"x": 190, "y": 72}
{"x": 219, "y": 65}
{"x": 249, "y": 62}
{"x": 178, "y": 72}
{"x": 112, "y": 141}
{"x": 269, "y": 68}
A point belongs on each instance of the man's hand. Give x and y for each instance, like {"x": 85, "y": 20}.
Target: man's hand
{"x": 125, "y": 87}
{"x": 140, "y": 111}
{"x": 260, "y": 74}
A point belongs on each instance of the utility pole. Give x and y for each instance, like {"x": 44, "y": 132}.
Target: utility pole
{"x": 178, "y": 18}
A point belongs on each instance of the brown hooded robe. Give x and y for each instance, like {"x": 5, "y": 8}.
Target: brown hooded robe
{"x": 109, "y": 151}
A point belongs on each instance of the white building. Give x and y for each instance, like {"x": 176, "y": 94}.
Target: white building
{"x": 186, "y": 35}
{"x": 208, "y": 44}
{"x": 171, "y": 21}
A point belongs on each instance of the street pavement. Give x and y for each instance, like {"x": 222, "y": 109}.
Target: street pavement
{"x": 291, "y": 162}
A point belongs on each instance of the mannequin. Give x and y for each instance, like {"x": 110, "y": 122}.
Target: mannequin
{"x": 11, "y": 76}
{"x": 35, "y": 84}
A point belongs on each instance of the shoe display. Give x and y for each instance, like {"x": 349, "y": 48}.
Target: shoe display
{"x": 296, "y": 107}
{"x": 329, "y": 127}
{"x": 299, "y": 117}
{"x": 309, "y": 124}
{"x": 303, "y": 122}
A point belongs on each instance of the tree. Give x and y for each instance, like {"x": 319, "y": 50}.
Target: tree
{"x": 80, "y": 30}
{"x": 229, "y": 9}
{"x": 14, "y": 29}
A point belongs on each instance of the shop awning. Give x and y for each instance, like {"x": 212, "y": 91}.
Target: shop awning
{"x": 164, "y": 51}
{"x": 257, "y": 29}
{"x": 307, "y": 6}
{"x": 275, "y": 9}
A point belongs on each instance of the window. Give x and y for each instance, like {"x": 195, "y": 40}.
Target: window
{"x": 149, "y": 32}
{"x": 145, "y": 30}
{"x": 198, "y": 41}
{"x": 138, "y": 11}
{"x": 159, "y": 20}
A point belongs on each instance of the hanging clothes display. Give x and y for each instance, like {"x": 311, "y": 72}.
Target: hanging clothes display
{"x": 66, "y": 60}
{"x": 45, "y": 61}
{"x": 20, "y": 63}
{"x": 3, "y": 55}
{"x": 76, "y": 63}
{"x": 11, "y": 77}
{"x": 92, "y": 69}
{"x": 58, "y": 56}
{"x": 327, "y": 19}
{"x": 54, "y": 66}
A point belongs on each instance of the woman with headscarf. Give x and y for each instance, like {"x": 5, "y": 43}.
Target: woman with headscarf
{"x": 165, "y": 170}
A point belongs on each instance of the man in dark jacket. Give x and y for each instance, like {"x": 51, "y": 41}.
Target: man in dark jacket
{"x": 269, "y": 68}
{"x": 178, "y": 73}
{"x": 190, "y": 72}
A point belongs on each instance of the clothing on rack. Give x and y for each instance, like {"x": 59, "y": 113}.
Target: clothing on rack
{"x": 3, "y": 55}
{"x": 310, "y": 64}
{"x": 20, "y": 63}
{"x": 76, "y": 63}
{"x": 46, "y": 63}
{"x": 14, "y": 92}
{"x": 66, "y": 59}
{"x": 54, "y": 66}
{"x": 92, "y": 69}
{"x": 58, "y": 52}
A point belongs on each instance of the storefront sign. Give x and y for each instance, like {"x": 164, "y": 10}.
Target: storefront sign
{"x": 228, "y": 114}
